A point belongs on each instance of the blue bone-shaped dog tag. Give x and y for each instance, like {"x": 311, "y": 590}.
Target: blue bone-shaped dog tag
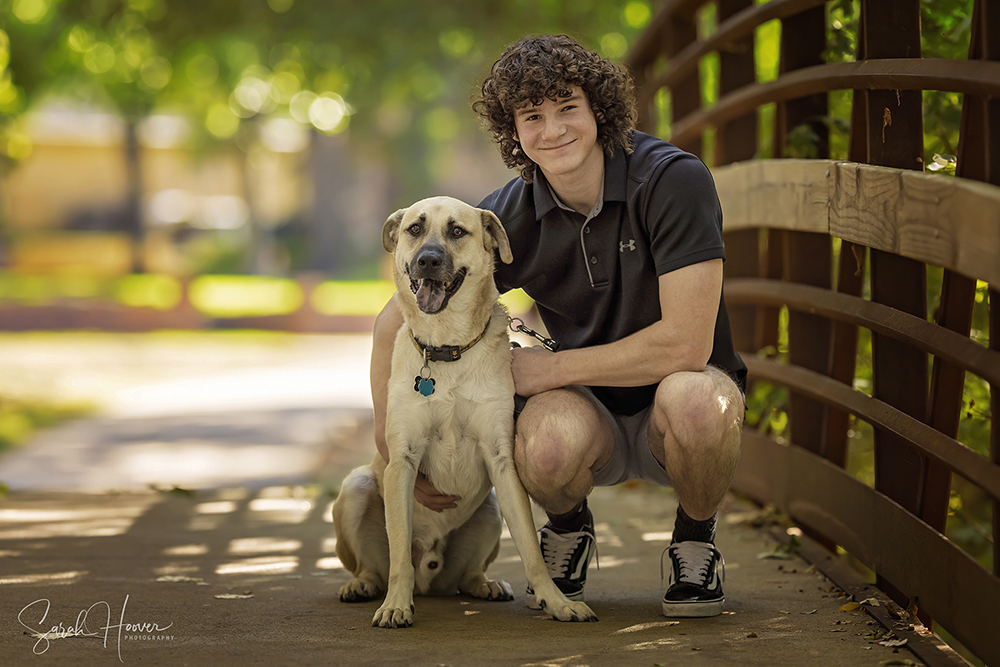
{"x": 424, "y": 385}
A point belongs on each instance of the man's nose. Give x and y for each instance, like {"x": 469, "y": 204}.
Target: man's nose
{"x": 553, "y": 128}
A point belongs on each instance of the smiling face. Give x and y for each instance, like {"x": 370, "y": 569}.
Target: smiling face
{"x": 439, "y": 245}
{"x": 560, "y": 136}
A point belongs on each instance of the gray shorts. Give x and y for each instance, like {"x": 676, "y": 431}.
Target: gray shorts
{"x": 631, "y": 458}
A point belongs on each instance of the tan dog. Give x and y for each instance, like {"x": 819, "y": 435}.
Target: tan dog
{"x": 451, "y": 420}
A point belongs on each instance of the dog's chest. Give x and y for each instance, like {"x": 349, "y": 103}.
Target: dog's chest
{"x": 453, "y": 459}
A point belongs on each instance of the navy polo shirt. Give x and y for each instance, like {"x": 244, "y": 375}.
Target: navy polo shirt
{"x": 595, "y": 280}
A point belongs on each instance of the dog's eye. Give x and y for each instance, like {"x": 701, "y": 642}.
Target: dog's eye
{"x": 458, "y": 232}
{"x": 433, "y": 565}
{"x": 414, "y": 229}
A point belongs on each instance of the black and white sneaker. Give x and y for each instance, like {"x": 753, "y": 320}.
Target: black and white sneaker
{"x": 567, "y": 556}
{"x": 694, "y": 584}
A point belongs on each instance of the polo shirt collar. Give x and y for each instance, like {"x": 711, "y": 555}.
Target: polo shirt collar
{"x": 614, "y": 188}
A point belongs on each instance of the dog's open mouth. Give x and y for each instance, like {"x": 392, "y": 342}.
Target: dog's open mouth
{"x": 432, "y": 295}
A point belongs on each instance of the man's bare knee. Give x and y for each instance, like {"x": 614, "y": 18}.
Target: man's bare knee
{"x": 697, "y": 408}
{"x": 560, "y": 438}
{"x": 551, "y": 438}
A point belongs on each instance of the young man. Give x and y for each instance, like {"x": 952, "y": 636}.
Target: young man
{"x": 618, "y": 238}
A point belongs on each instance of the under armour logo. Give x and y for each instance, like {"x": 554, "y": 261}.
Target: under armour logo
{"x": 626, "y": 246}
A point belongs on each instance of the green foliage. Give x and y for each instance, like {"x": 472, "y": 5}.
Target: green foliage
{"x": 20, "y": 419}
{"x": 397, "y": 74}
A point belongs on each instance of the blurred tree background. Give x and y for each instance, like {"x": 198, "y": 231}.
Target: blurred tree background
{"x": 386, "y": 80}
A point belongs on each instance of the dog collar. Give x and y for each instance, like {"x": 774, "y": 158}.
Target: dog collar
{"x": 446, "y": 352}
{"x": 424, "y": 383}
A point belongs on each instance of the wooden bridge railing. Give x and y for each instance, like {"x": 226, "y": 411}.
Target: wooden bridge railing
{"x": 815, "y": 237}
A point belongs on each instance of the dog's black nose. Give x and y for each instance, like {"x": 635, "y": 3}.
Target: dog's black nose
{"x": 430, "y": 257}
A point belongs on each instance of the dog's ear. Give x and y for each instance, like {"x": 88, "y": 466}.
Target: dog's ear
{"x": 390, "y": 230}
{"x": 496, "y": 236}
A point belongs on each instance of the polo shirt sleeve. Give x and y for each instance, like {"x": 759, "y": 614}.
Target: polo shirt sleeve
{"x": 683, "y": 216}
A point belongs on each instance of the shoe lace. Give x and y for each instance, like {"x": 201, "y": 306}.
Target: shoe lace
{"x": 694, "y": 560}
{"x": 558, "y": 550}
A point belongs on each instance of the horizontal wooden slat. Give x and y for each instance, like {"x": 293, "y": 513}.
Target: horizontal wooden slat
{"x": 777, "y": 194}
{"x": 953, "y": 223}
{"x": 964, "y": 461}
{"x": 944, "y": 343}
{"x": 738, "y": 26}
{"x": 950, "y": 585}
{"x": 976, "y": 77}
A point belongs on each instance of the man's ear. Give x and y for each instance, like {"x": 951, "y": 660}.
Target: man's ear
{"x": 496, "y": 236}
{"x": 390, "y": 230}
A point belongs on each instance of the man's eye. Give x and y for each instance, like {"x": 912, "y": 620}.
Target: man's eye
{"x": 414, "y": 229}
{"x": 458, "y": 232}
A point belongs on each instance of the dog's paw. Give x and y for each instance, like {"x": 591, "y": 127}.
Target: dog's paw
{"x": 574, "y": 612}
{"x": 392, "y": 617}
{"x": 498, "y": 591}
{"x": 359, "y": 591}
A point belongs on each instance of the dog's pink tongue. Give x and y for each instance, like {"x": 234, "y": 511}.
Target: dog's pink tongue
{"x": 430, "y": 296}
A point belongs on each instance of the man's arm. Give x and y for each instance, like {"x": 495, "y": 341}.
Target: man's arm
{"x": 680, "y": 341}
{"x": 387, "y": 325}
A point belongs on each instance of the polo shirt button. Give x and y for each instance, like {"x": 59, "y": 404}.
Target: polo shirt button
{"x": 586, "y": 230}
{"x": 593, "y": 260}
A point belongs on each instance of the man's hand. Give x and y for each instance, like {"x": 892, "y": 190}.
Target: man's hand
{"x": 532, "y": 369}
{"x": 431, "y": 498}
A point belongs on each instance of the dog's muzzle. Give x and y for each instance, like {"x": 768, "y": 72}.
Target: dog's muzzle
{"x": 433, "y": 278}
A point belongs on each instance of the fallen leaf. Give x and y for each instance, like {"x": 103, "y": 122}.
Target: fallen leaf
{"x": 752, "y": 635}
{"x": 871, "y": 602}
{"x": 232, "y": 596}
{"x": 892, "y": 643}
{"x": 912, "y": 610}
{"x": 889, "y": 607}
{"x": 850, "y": 606}
{"x": 779, "y": 552}
{"x": 174, "y": 491}
{"x": 178, "y": 579}
{"x": 808, "y": 613}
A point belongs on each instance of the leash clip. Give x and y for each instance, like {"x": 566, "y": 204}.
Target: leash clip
{"x": 548, "y": 343}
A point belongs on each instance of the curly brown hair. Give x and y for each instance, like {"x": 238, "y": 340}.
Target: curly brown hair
{"x": 546, "y": 67}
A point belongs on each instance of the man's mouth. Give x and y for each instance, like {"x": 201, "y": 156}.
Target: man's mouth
{"x": 555, "y": 148}
{"x": 432, "y": 295}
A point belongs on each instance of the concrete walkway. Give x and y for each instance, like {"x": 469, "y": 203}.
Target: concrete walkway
{"x": 237, "y": 567}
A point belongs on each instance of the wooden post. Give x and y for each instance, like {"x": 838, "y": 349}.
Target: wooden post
{"x": 685, "y": 97}
{"x": 958, "y": 292}
{"x": 850, "y": 280}
{"x": 736, "y": 141}
{"x": 807, "y": 254}
{"x": 895, "y": 139}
